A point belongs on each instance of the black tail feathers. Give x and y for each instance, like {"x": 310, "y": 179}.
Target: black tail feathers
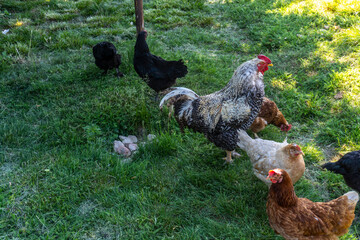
{"x": 334, "y": 167}
{"x": 180, "y": 69}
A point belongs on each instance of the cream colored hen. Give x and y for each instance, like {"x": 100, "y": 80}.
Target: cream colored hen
{"x": 266, "y": 155}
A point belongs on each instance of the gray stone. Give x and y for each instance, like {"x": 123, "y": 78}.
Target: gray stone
{"x": 127, "y": 142}
{"x": 121, "y": 149}
{"x": 151, "y": 137}
{"x": 133, "y": 147}
{"x": 118, "y": 144}
{"x": 122, "y": 137}
{"x": 133, "y": 138}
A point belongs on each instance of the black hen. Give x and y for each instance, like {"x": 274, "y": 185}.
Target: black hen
{"x": 349, "y": 167}
{"x": 158, "y": 73}
{"x": 106, "y": 57}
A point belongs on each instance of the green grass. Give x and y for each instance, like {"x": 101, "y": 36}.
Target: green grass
{"x": 60, "y": 178}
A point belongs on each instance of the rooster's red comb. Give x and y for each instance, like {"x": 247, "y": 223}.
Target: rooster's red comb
{"x": 264, "y": 58}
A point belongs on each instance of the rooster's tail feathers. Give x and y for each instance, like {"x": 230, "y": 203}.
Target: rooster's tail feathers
{"x": 177, "y": 91}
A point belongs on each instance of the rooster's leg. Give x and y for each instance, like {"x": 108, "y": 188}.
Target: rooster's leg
{"x": 228, "y": 159}
{"x": 256, "y": 136}
{"x": 182, "y": 128}
{"x": 229, "y": 155}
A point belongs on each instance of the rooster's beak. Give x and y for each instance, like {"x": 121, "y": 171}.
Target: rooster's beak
{"x": 270, "y": 65}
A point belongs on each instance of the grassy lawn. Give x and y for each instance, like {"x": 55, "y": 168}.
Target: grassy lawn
{"x": 59, "y": 117}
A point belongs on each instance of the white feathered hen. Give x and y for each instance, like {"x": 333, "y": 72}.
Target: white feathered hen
{"x": 266, "y": 155}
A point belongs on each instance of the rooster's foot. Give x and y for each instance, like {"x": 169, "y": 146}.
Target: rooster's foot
{"x": 227, "y": 162}
{"x": 228, "y": 159}
{"x": 235, "y": 154}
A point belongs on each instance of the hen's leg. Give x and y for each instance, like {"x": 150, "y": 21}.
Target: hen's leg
{"x": 156, "y": 99}
{"x": 119, "y": 74}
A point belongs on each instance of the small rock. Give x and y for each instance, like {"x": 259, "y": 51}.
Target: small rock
{"x": 121, "y": 149}
{"x": 133, "y": 147}
{"x": 122, "y": 137}
{"x": 133, "y": 138}
{"x": 125, "y": 152}
{"x": 150, "y": 137}
{"x": 118, "y": 144}
{"x": 127, "y": 142}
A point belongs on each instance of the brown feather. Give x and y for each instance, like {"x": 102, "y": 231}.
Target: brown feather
{"x": 269, "y": 114}
{"x": 300, "y": 218}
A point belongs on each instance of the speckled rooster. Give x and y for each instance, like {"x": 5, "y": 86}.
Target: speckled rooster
{"x": 219, "y": 115}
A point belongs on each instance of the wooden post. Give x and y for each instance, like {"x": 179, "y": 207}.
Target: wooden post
{"x": 139, "y": 15}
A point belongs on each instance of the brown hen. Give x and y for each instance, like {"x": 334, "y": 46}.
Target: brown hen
{"x": 269, "y": 114}
{"x": 299, "y": 218}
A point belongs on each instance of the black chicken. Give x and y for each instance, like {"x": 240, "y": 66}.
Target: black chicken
{"x": 349, "y": 167}
{"x": 158, "y": 73}
{"x": 106, "y": 57}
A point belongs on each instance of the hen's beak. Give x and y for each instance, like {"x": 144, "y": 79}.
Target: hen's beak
{"x": 270, "y": 65}
{"x": 300, "y": 152}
